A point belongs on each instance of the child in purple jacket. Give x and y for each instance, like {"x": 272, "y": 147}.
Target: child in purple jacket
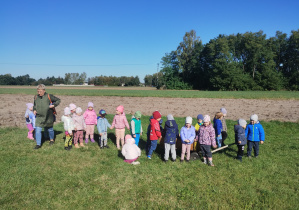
{"x": 187, "y": 137}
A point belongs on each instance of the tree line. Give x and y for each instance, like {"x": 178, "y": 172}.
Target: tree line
{"x": 70, "y": 79}
{"x": 248, "y": 61}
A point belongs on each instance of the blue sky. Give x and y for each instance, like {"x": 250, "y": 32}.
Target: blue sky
{"x": 122, "y": 38}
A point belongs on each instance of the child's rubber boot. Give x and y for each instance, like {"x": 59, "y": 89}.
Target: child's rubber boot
{"x": 28, "y": 135}
{"x": 92, "y": 140}
{"x": 86, "y": 141}
{"x": 81, "y": 144}
{"x": 31, "y": 136}
{"x": 211, "y": 163}
{"x": 77, "y": 146}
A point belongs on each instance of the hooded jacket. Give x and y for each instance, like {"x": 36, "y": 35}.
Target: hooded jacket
{"x": 68, "y": 123}
{"x": 44, "y": 114}
{"x": 120, "y": 121}
{"x": 171, "y": 132}
{"x": 155, "y": 131}
{"x": 207, "y": 135}
{"x": 240, "y": 135}
{"x": 90, "y": 117}
{"x": 102, "y": 125}
{"x": 217, "y": 126}
{"x": 79, "y": 122}
{"x": 187, "y": 134}
{"x": 255, "y": 132}
{"x": 130, "y": 150}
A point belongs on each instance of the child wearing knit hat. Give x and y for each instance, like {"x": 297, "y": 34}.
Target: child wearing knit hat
{"x": 30, "y": 120}
{"x": 197, "y": 126}
{"x": 155, "y": 133}
{"x": 136, "y": 127}
{"x": 130, "y": 151}
{"x": 187, "y": 137}
{"x": 80, "y": 127}
{"x": 68, "y": 125}
{"x": 102, "y": 126}
{"x": 255, "y": 134}
{"x": 224, "y": 126}
{"x": 207, "y": 139}
{"x": 240, "y": 138}
{"x": 171, "y": 134}
{"x": 90, "y": 118}
{"x": 120, "y": 122}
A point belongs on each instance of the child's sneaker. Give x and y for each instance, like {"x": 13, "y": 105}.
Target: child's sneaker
{"x": 135, "y": 163}
{"x": 77, "y": 146}
{"x": 70, "y": 147}
{"x": 106, "y": 146}
{"x": 66, "y": 148}
{"x": 205, "y": 161}
{"x": 86, "y": 141}
{"x": 149, "y": 157}
{"x": 92, "y": 140}
{"x": 81, "y": 145}
{"x": 211, "y": 163}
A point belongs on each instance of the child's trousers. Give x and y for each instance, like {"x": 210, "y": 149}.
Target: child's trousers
{"x": 68, "y": 140}
{"x": 78, "y": 136}
{"x": 185, "y": 148}
{"x": 171, "y": 148}
{"x": 89, "y": 131}
{"x": 120, "y": 137}
{"x": 153, "y": 147}
{"x": 256, "y": 148}
{"x": 103, "y": 140}
{"x": 240, "y": 151}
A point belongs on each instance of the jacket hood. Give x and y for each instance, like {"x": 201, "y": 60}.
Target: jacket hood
{"x": 130, "y": 141}
{"x": 170, "y": 123}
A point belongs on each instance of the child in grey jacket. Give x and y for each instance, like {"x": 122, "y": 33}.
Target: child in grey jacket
{"x": 240, "y": 138}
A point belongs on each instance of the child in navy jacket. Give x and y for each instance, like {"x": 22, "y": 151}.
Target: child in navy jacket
{"x": 240, "y": 138}
{"x": 171, "y": 134}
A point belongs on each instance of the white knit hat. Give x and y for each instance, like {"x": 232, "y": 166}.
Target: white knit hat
{"x": 242, "y": 122}
{"x": 254, "y": 117}
{"x": 189, "y": 120}
{"x": 67, "y": 111}
{"x": 206, "y": 118}
{"x": 78, "y": 110}
{"x": 170, "y": 117}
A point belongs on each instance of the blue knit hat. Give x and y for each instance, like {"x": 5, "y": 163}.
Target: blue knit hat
{"x": 200, "y": 116}
{"x": 102, "y": 112}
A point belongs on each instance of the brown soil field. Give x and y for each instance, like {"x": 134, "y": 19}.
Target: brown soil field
{"x": 14, "y": 106}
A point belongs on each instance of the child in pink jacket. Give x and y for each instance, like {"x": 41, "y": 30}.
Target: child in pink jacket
{"x": 120, "y": 122}
{"x": 90, "y": 118}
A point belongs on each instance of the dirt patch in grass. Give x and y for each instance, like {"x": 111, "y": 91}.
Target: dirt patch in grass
{"x": 13, "y": 107}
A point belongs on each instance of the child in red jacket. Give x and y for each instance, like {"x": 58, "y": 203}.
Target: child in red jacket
{"x": 155, "y": 133}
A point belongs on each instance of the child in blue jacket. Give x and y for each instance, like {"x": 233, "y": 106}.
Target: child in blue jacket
{"x": 187, "y": 137}
{"x": 171, "y": 134}
{"x": 218, "y": 128}
{"x": 240, "y": 138}
{"x": 255, "y": 134}
{"x": 102, "y": 125}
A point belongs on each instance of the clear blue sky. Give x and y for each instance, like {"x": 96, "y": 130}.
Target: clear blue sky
{"x": 122, "y": 37}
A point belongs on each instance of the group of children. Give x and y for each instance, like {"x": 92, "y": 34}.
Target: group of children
{"x": 204, "y": 133}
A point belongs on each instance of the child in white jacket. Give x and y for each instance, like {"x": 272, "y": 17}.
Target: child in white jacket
{"x": 68, "y": 125}
{"x": 130, "y": 151}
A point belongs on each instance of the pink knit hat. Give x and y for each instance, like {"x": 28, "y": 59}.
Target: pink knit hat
{"x": 120, "y": 108}
{"x": 72, "y": 106}
{"x": 128, "y": 136}
{"x": 206, "y": 118}
{"x": 90, "y": 104}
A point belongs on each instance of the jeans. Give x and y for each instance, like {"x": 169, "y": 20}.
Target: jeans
{"x": 219, "y": 140}
{"x": 256, "y": 148}
{"x": 152, "y": 147}
{"x": 47, "y": 132}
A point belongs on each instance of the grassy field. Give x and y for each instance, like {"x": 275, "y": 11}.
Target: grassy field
{"x": 142, "y": 92}
{"x": 90, "y": 178}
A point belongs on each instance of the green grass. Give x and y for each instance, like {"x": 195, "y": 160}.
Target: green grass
{"x": 90, "y": 178}
{"x": 157, "y": 93}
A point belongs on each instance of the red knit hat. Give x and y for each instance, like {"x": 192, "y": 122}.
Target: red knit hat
{"x": 156, "y": 115}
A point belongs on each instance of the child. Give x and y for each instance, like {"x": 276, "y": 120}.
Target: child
{"x": 120, "y": 122}
{"x": 68, "y": 125}
{"x": 171, "y": 134}
{"x": 240, "y": 138}
{"x": 155, "y": 133}
{"x": 255, "y": 134}
{"x": 30, "y": 120}
{"x": 102, "y": 126}
{"x": 136, "y": 127}
{"x": 218, "y": 127}
{"x": 80, "y": 126}
{"x": 206, "y": 139}
{"x": 187, "y": 136}
{"x": 224, "y": 127}
{"x": 90, "y": 118}
{"x": 197, "y": 126}
{"x": 148, "y": 142}
{"x": 130, "y": 151}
